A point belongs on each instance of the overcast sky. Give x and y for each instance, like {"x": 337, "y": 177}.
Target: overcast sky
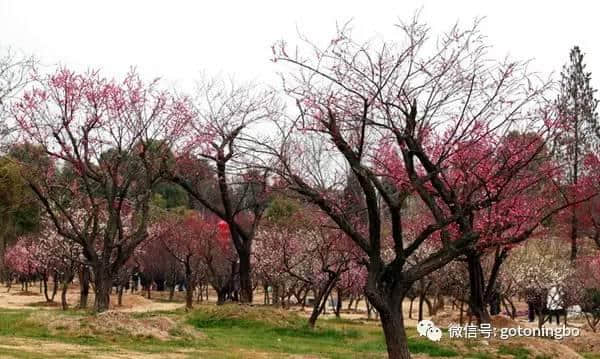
{"x": 177, "y": 39}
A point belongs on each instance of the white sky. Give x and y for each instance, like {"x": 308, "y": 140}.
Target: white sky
{"x": 177, "y": 39}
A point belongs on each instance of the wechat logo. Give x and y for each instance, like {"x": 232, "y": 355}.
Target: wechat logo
{"x": 426, "y": 328}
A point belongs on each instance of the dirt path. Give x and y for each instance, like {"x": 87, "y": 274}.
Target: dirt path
{"x": 58, "y": 350}
{"x": 34, "y": 299}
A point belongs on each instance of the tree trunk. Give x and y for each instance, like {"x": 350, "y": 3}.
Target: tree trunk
{"x": 389, "y": 307}
{"x": 189, "y": 297}
{"x": 84, "y": 285}
{"x": 429, "y": 306}
{"x": 63, "y": 296}
{"x": 321, "y": 296}
{"x": 541, "y": 317}
{"x": 49, "y": 298}
{"x": 120, "y": 295}
{"x": 68, "y": 278}
{"x": 221, "y": 296}
{"x": 575, "y": 174}
{"x": 266, "y": 294}
{"x": 189, "y": 287}
{"x": 573, "y": 234}
{"x": 45, "y": 281}
{"x": 54, "y": 287}
{"x": 477, "y": 303}
{"x": 439, "y": 303}
{"x": 338, "y": 305}
{"x": 369, "y": 308}
{"x": 102, "y": 287}
{"x": 421, "y": 301}
{"x": 395, "y": 335}
{"x": 3, "y": 271}
{"x": 172, "y": 292}
{"x": 245, "y": 276}
{"x": 275, "y": 295}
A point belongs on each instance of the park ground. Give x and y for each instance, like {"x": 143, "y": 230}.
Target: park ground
{"x": 142, "y": 328}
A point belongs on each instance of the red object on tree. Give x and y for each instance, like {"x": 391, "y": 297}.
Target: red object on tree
{"x": 223, "y": 232}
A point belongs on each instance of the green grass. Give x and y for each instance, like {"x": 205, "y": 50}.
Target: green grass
{"x": 430, "y": 348}
{"x": 228, "y": 331}
{"x": 17, "y": 323}
{"x": 284, "y": 334}
{"x": 479, "y": 355}
{"x": 289, "y": 334}
{"x": 516, "y": 351}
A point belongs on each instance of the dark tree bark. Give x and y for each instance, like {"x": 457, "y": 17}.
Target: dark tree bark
{"x": 484, "y": 294}
{"x": 275, "y": 295}
{"x": 246, "y": 292}
{"x": 573, "y": 235}
{"x": 120, "y": 290}
{"x": 190, "y": 284}
{"x": 172, "y": 292}
{"x": 321, "y": 295}
{"x": 102, "y": 287}
{"x": 389, "y": 306}
{"x": 266, "y": 293}
{"x": 222, "y": 296}
{"x": 338, "y": 305}
{"x": 63, "y": 296}
{"x": 65, "y": 287}
{"x": 50, "y": 298}
{"x": 477, "y": 304}
{"x": 84, "y": 287}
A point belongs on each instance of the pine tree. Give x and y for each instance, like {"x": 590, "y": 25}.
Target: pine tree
{"x": 577, "y": 108}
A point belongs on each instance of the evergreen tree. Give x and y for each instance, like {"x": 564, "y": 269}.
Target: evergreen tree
{"x": 577, "y": 109}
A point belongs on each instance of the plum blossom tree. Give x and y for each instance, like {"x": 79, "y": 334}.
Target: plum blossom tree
{"x": 20, "y": 262}
{"x": 61, "y": 257}
{"x": 435, "y": 119}
{"x": 113, "y": 138}
{"x": 184, "y": 238}
{"x": 157, "y": 269}
{"x": 585, "y": 288}
{"x": 305, "y": 248}
{"x": 523, "y": 203}
{"x": 535, "y": 268}
{"x": 221, "y": 261}
{"x": 585, "y": 216}
{"x": 46, "y": 254}
{"x": 219, "y": 136}
{"x": 351, "y": 284}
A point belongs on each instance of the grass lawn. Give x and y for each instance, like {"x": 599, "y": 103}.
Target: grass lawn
{"x": 228, "y": 331}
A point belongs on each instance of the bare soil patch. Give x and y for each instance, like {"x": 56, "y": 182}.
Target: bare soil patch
{"x": 58, "y": 350}
{"x": 131, "y": 302}
{"x": 115, "y": 323}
